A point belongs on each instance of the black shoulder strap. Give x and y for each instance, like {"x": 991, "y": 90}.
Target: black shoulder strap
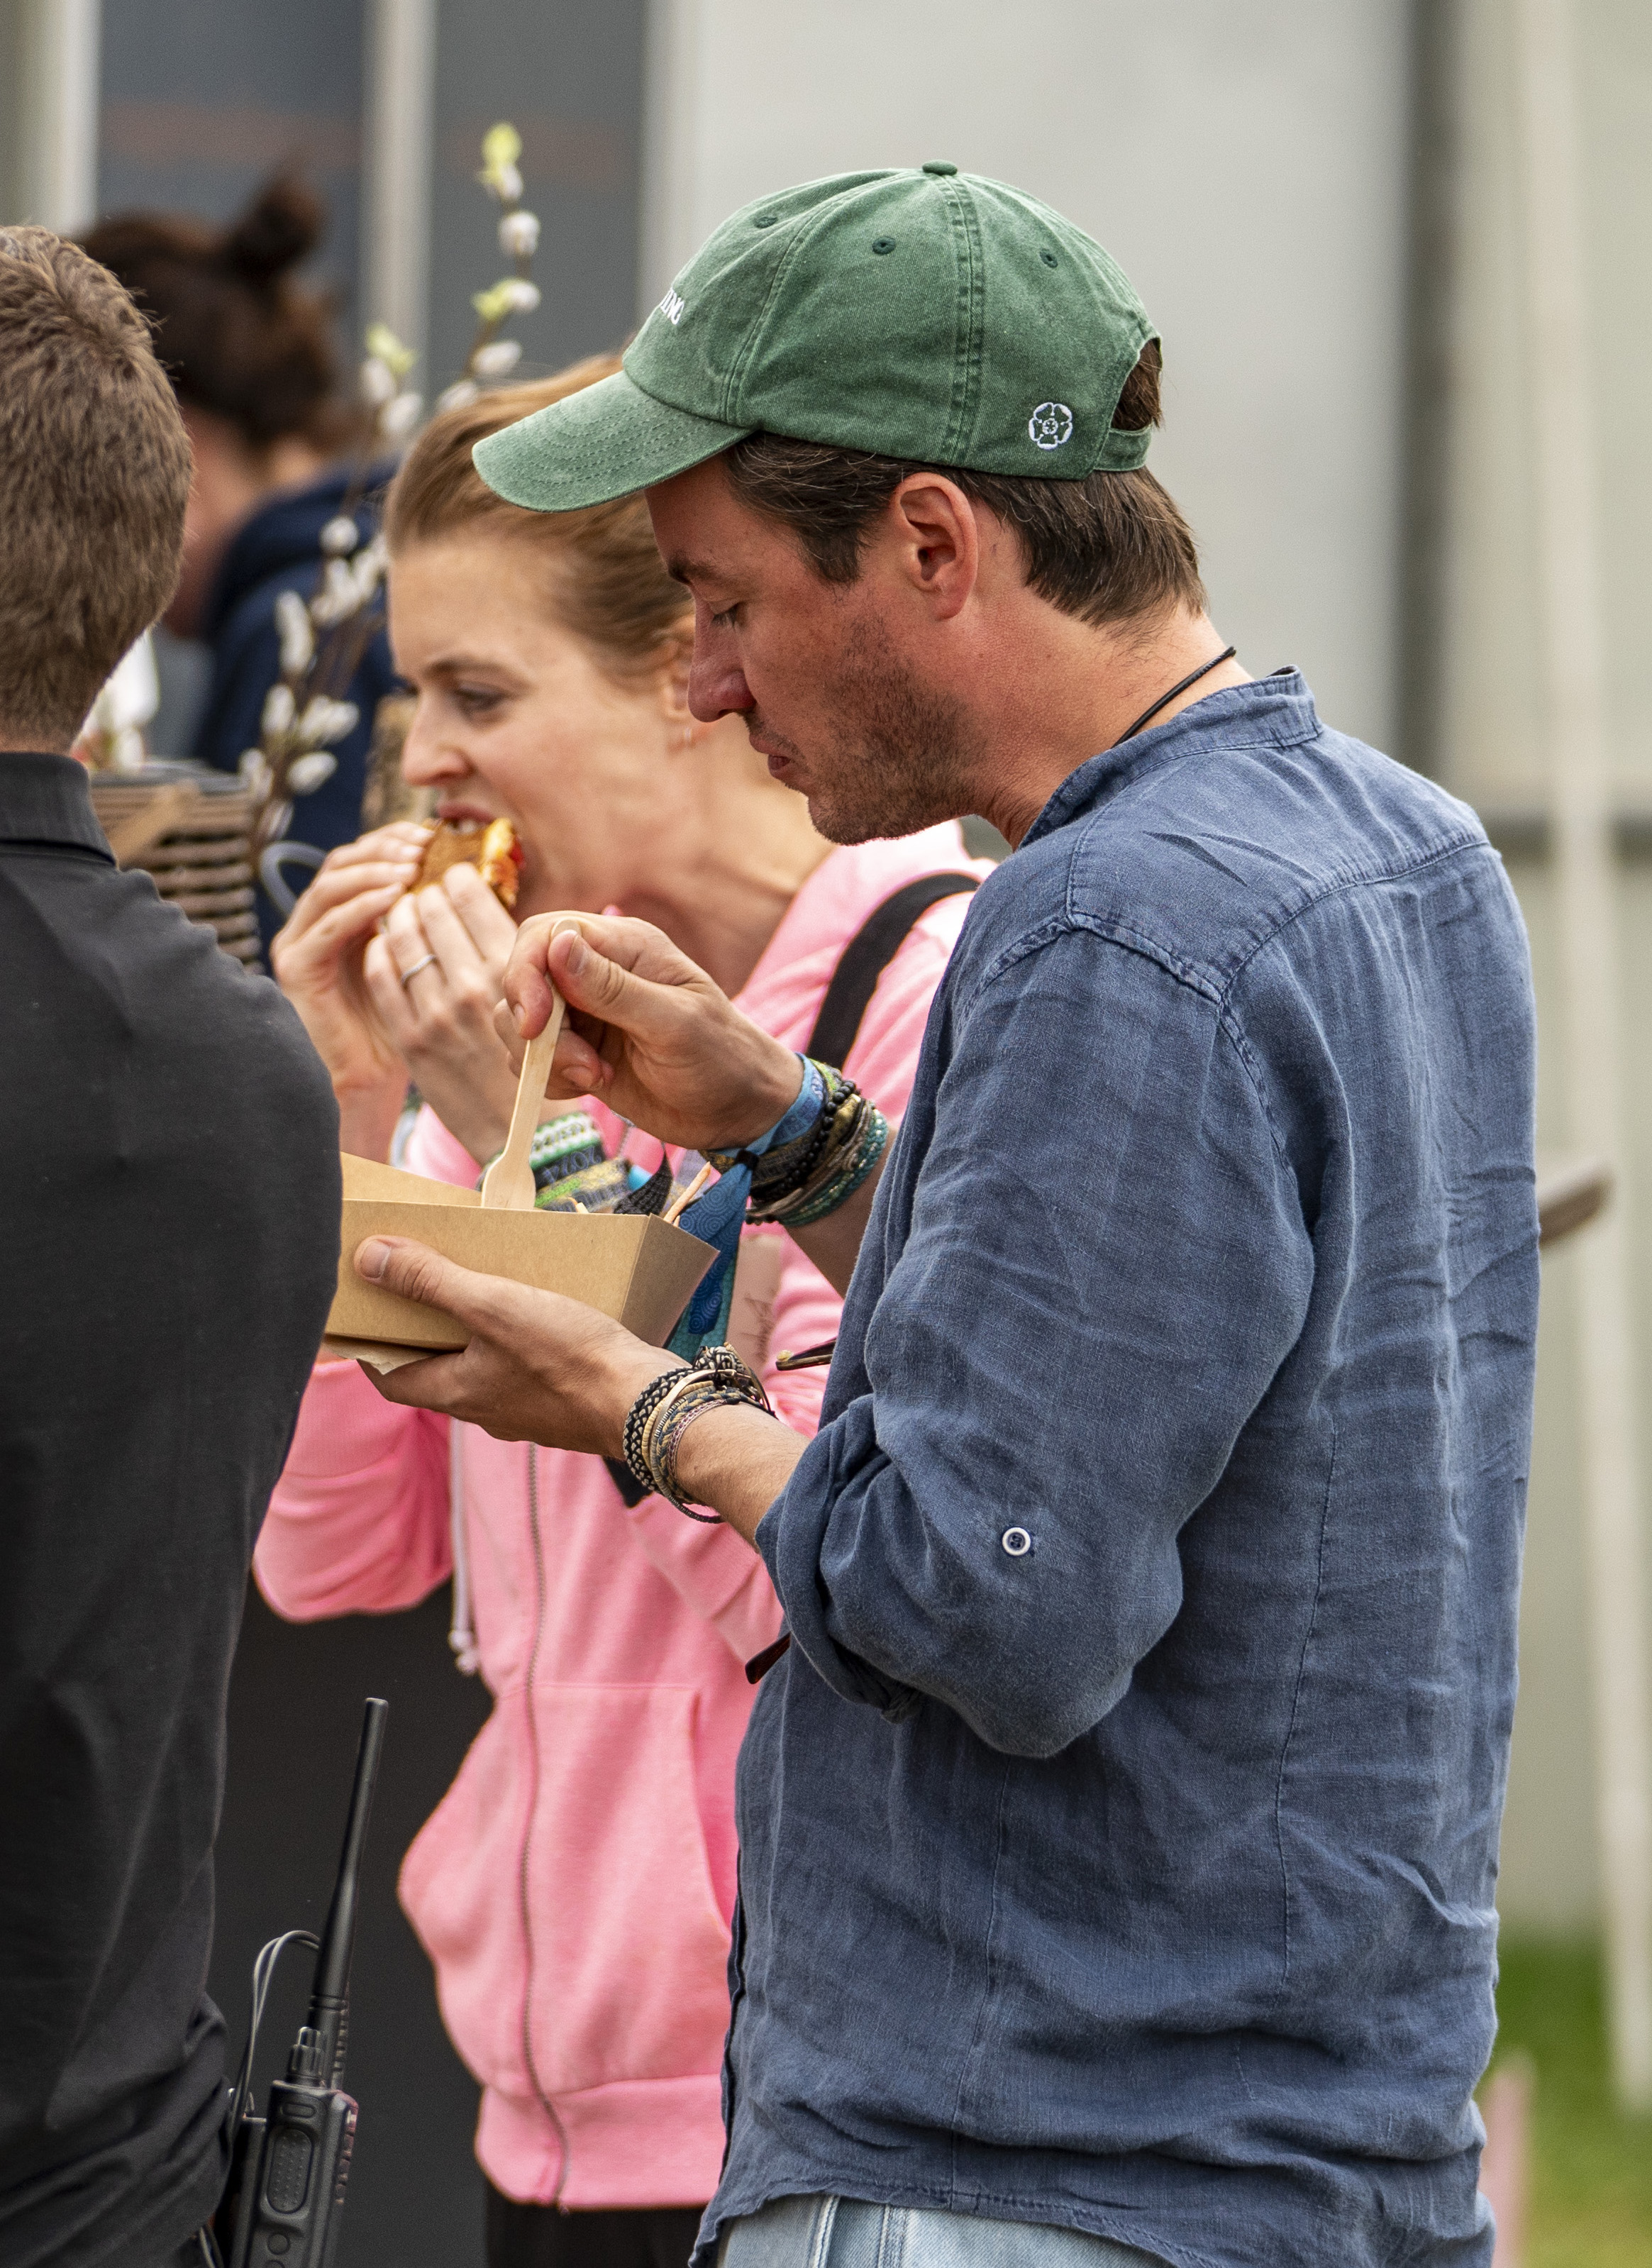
{"x": 865, "y": 957}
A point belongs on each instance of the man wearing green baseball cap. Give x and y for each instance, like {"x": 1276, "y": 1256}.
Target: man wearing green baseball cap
{"x": 915, "y": 315}
{"x": 1117, "y": 1832}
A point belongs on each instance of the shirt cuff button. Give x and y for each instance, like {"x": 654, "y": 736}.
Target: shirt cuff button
{"x": 1016, "y": 1542}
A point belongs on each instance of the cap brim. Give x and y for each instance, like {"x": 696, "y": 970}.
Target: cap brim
{"x": 608, "y": 440}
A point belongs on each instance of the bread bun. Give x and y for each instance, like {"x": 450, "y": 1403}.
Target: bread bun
{"x": 489, "y": 845}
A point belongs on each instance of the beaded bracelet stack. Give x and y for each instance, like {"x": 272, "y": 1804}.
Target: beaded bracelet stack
{"x": 801, "y": 1181}
{"x": 668, "y": 1406}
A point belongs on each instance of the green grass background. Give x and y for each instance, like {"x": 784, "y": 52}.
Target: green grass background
{"x": 1590, "y": 2200}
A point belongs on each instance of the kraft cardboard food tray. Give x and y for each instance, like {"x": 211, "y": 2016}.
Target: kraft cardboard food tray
{"x": 630, "y": 1266}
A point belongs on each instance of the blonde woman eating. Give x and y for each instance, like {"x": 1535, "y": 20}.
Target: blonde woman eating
{"x": 575, "y": 1886}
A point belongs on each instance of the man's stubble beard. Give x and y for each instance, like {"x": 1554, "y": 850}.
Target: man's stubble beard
{"x": 900, "y": 757}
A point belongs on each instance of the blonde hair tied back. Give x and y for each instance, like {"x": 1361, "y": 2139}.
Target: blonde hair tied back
{"x": 605, "y": 579}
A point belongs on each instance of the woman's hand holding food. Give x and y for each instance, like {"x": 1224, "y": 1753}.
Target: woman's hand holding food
{"x": 433, "y": 975}
{"x": 391, "y": 983}
{"x": 647, "y": 1031}
{"x": 316, "y": 960}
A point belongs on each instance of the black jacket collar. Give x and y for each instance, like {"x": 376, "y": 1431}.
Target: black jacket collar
{"x": 46, "y": 800}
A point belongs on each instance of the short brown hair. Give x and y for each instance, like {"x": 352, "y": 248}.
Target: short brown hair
{"x": 1111, "y": 548}
{"x": 604, "y": 576}
{"x": 237, "y": 335}
{"x": 94, "y": 477}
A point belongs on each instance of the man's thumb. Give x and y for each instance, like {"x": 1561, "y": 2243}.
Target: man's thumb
{"x": 590, "y": 981}
{"x": 395, "y": 1263}
{"x": 528, "y": 977}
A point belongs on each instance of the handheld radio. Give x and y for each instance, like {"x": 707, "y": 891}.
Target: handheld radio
{"x": 288, "y": 2169}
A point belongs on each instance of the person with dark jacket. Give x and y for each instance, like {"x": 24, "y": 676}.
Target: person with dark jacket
{"x": 251, "y": 360}
{"x": 278, "y": 548}
{"x": 169, "y": 1204}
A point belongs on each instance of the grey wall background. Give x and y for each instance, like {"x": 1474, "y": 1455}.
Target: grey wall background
{"x": 201, "y": 102}
{"x": 568, "y": 75}
{"x": 10, "y": 104}
{"x": 1493, "y": 755}
{"x": 1245, "y": 160}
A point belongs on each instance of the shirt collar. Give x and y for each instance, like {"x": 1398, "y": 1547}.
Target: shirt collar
{"x": 47, "y": 800}
{"x": 1277, "y": 710}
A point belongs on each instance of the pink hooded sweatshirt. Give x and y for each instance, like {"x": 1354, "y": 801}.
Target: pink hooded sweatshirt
{"x": 574, "y": 1888}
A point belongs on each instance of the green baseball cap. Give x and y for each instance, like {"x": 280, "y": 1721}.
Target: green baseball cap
{"x": 923, "y": 313}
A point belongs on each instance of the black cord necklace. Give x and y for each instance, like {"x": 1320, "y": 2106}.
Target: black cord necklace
{"x": 1164, "y": 699}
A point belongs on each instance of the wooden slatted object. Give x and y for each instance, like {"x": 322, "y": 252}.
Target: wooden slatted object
{"x": 195, "y": 840}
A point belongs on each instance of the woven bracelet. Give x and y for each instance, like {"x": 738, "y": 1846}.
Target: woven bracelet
{"x": 789, "y": 1167}
{"x": 861, "y": 1135}
{"x": 779, "y": 1173}
{"x": 676, "y": 1414}
{"x": 716, "y": 1378}
{"x": 835, "y": 1133}
{"x": 846, "y": 1175}
{"x": 663, "y": 1435}
{"x": 640, "y": 1411}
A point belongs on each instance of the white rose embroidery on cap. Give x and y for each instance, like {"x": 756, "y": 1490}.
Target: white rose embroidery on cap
{"x": 1051, "y": 424}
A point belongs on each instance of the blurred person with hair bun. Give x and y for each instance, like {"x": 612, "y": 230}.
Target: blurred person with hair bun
{"x": 253, "y": 361}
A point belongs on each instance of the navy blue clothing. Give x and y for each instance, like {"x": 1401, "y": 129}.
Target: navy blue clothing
{"x": 279, "y": 548}
{"x": 1118, "y": 1837}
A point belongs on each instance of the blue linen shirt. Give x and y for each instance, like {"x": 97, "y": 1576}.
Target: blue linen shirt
{"x": 1141, "y": 1881}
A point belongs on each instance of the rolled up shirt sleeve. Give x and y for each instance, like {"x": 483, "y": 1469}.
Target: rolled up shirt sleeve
{"x": 1105, "y": 1266}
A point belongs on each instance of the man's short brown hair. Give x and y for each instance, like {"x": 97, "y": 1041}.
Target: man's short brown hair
{"x": 94, "y": 477}
{"x": 1110, "y": 549}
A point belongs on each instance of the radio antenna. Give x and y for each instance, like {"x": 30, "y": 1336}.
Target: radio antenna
{"x": 317, "y": 2053}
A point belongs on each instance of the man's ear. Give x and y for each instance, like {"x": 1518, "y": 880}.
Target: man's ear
{"x": 937, "y": 540}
